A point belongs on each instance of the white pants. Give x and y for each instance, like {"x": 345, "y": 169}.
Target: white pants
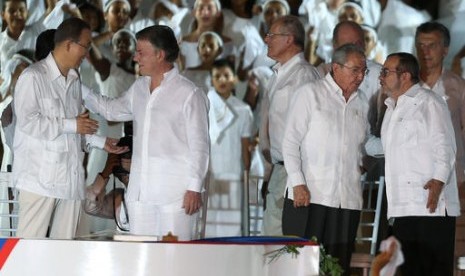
{"x": 37, "y": 213}
{"x": 157, "y": 220}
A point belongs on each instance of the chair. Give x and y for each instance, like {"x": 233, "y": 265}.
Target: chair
{"x": 252, "y": 205}
{"x": 8, "y": 207}
{"x": 369, "y": 223}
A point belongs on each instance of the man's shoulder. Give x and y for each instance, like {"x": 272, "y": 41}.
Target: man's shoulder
{"x": 37, "y": 69}
{"x": 304, "y": 68}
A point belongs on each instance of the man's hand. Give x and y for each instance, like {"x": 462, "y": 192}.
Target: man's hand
{"x": 192, "y": 202}
{"x": 86, "y": 125}
{"x": 112, "y": 161}
{"x": 111, "y": 146}
{"x": 301, "y": 196}
{"x": 435, "y": 187}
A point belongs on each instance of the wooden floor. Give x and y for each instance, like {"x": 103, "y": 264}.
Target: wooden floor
{"x": 460, "y": 231}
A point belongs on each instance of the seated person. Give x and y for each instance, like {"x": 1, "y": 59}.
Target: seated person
{"x": 108, "y": 205}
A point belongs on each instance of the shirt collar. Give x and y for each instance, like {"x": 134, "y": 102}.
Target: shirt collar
{"x": 335, "y": 87}
{"x": 54, "y": 71}
{"x": 278, "y": 67}
{"x": 408, "y": 96}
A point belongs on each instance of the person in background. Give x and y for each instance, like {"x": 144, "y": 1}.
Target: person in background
{"x": 229, "y": 151}
{"x": 209, "y": 49}
{"x": 285, "y": 42}
{"x": 432, "y": 41}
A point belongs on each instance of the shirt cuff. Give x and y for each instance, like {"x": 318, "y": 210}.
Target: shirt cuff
{"x": 69, "y": 125}
{"x": 195, "y": 185}
{"x": 95, "y": 141}
{"x": 296, "y": 179}
{"x": 442, "y": 174}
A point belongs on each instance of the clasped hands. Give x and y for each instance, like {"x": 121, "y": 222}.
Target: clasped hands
{"x": 86, "y": 125}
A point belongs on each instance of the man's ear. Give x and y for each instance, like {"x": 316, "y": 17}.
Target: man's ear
{"x": 161, "y": 54}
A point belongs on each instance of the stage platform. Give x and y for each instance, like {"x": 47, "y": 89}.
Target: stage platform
{"x": 104, "y": 256}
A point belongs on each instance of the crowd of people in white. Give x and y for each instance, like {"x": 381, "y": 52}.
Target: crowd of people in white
{"x": 225, "y": 50}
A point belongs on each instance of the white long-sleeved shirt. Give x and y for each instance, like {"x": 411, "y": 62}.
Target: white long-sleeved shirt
{"x": 281, "y": 88}
{"x": 419, "y": 145}
{"x": 48, "y": 151}
{"x": 451, "y": 88}
{"x": 323, "y": 141}
{"x": 170, "y": 140}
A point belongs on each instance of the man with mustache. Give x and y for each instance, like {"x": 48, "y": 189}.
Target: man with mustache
{"x": 421, "y": 186}
{"x": 325, "y": 130}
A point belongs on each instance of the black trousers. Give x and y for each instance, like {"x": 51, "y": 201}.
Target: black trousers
{"x": 427, "y": 244}
{"x": 335, "y": 228}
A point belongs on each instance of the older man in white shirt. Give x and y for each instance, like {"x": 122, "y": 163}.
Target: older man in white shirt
{"x": 285, "y": 42}
{"x": 322, "y": 148}
{"x": 419, "y": 146}
{"x": 171, "y": 144}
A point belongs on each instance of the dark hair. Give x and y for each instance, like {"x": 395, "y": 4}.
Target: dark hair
{"x": 44, "y": 43}
{"x": 27, "y": 53}
{"x": 85, "y": 6}
{"x": 161, "y": 37}
{"x": 6, "y": 1}
{"x": 70, "y": 29}
{"x": 292, "y": 25}
{"x": 407, "y": 63}
{"x": 223, "y": 63}
{"x": 429, "y": 27}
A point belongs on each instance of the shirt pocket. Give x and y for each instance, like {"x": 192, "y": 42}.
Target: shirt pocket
{"x": 410, "y": 190}
{"x": 53, "y": 169}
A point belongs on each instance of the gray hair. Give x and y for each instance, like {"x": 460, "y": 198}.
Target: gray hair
{"x": 291, "y": 24}
{"x": 340, "y": 54}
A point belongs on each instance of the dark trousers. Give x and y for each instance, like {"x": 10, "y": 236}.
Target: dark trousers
{"x": 427, "y": 244}
{"x": 335, "y": 228}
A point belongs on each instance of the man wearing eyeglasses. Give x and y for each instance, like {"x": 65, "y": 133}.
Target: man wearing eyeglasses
{"x": 326, "y": 128}
{"x": 419, "y": 146}
{"x": 52, "y": 132}
{"x": 285, "y": 42}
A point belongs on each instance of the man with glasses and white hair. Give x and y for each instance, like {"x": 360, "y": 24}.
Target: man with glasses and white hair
{"x": 285, "y": 41}
{"x": 322, "y": 148}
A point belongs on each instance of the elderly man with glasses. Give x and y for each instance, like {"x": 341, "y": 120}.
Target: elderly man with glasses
{"x": 326, "y": 128}
{"x": 285, "y": 42}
